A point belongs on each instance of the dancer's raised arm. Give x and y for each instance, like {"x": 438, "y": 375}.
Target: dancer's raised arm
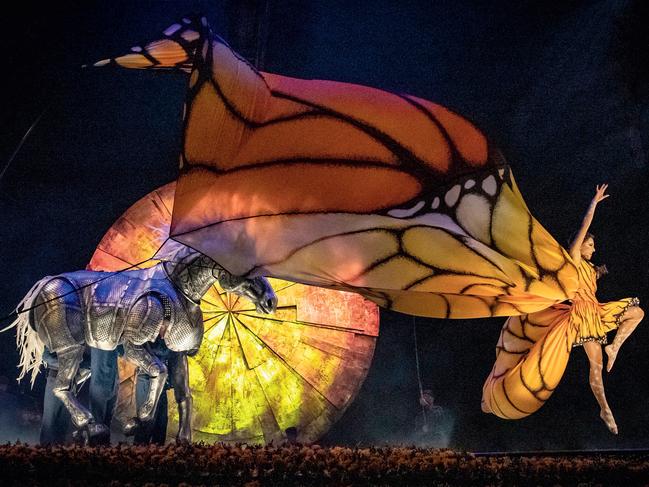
{"x": 575, "y": 246}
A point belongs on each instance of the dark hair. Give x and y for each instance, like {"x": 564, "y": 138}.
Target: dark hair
{"x": 601, "y": 270}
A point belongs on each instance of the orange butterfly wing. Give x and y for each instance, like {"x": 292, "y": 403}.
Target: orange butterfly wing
{"x": 351, "y": 187}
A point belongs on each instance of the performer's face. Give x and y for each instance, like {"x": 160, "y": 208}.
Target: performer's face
{"x": 587, "y": 248}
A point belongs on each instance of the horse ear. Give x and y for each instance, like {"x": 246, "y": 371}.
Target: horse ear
{"x": 175, "y": 49}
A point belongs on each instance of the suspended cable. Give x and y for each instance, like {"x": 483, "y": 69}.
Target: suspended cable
{"x": 421, "y": 388}
{"x": 22, "y": 142}
{"x": 110, "y": 274}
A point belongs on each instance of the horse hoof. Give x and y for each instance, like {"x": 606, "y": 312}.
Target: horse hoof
{"x": 80, "y": 437}
{"x": 98, "y": 434}
{"x": 131, "y": 426}
{"x": 81, "y": 422}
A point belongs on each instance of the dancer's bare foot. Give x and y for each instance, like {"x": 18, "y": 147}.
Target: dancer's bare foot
{"x": 607, "y": 417}
{"x": 611, "y": 353}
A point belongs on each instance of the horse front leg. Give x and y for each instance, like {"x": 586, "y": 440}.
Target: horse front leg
{"x": 65, "y": 387}
{"x": 157, "y": 372}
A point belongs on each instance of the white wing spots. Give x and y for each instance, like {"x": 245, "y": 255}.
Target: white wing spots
{"x": 103, "y": 62}
{"x": 190, "y": 35}
{"x": 136, "y": 49}
{"x": 452, "y": 195}
{"x": 204, "y": 21}
{"x": 438, "y": 220}
{"x": 187, "y": 21}
{"x": 473, "y": 213}
{"x": 489, "y": 185}
{"x": 435, "y": 204}
{"x": 172, "y": 29}
{"x": 205, "y": 48}
{"x": 405, "y": 213}
{"x": 469, "y": 184}
{"x": 501, "y": 172}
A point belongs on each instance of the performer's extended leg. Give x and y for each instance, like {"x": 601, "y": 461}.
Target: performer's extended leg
{"x": 594, "y": 352}
{"x": 628, "y": 323}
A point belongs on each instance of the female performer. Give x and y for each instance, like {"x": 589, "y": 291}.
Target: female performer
{"x": 594, "y": 319}
{"x": 533, "y": 349}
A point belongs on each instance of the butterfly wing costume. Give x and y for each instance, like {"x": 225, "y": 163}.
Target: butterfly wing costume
{"x": 388, "y": 195}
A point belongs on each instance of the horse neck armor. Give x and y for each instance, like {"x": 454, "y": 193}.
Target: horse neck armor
{"x": 193, "y": 275}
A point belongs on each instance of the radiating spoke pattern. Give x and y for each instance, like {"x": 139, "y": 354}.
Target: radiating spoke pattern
{"x": 255, "y": 375}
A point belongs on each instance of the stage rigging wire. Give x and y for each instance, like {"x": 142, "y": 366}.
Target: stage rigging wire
{"x": 111, "y": 274}
{"x": 421, "y": 388}
{"x": 22, "y": 141}
{"x": 24, "y": 310}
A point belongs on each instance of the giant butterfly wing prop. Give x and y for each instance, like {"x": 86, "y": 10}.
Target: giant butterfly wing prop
{"x": 349, "y": 187}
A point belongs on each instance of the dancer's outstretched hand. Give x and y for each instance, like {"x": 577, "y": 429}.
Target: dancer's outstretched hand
{"x": 600, "y": 193}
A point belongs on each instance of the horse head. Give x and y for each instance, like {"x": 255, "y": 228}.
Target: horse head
{"x": 194, "y": 273}
{"x": 256, "y": 289}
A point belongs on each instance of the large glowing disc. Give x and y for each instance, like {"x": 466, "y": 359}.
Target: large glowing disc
{"x": 255, "y": 375}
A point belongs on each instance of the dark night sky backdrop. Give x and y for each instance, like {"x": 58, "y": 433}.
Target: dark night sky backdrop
{"x": 562, "y": 90}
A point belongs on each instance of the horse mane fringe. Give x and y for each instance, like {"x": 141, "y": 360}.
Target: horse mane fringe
{"x": 29, "y": 344}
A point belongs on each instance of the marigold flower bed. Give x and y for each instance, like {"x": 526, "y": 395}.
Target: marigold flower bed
{"x": 200, "y": 464}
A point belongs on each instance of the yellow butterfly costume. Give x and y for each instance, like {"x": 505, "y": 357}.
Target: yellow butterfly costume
{"x": 533, "y": 350}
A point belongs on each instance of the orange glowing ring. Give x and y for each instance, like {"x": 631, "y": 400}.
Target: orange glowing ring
{"x": 255, "y": 375}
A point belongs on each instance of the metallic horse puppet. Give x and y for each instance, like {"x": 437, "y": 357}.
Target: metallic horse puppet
{"x": 70, "y": 311}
